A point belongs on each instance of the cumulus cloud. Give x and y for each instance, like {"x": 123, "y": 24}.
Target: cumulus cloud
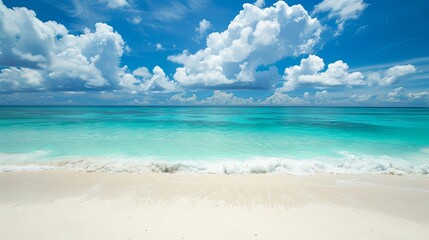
{"x": 310, "y": 73}
{"x": 400, "y": 95}
{"x": 397, "y": 96}
{"x": 306, "y": 94}
{"x": 142, "y": 72}
{"x": 259, "y": 3}
{"x": 25, "y": 40}
{"x": 391, "y": 75}
{"x": 44, "y": 56}
{"x": 321, "y": 94}
{"x": 256, "y": 37}
{"x": 394, "y": 96}
{"x": 115, "y": 3}
{"x": 224, "y": 98}
{"x": 141, "y": 80}
{"x": 180, "y": 98}
{"x": 279, "y": 98}
{"x": 218, "y": 98}
{"x": 20, "y": 79}
{"x": 63, "y": 61}
{"x": 202, "y": 29}
{"x": 88, "y": 60}
{"x": 341, "y": 10}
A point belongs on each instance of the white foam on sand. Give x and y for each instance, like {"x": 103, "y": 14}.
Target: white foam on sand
{"x": 347, "y": 163}
{"x": 32, "y": 161}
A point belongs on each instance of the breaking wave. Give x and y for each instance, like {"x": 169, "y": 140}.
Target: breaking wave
{"x": 346, "y": 164}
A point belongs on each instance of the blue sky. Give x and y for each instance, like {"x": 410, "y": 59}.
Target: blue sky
{"x": 202, "y": 52}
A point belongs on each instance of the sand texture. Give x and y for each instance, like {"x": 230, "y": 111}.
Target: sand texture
{"x": 61, "y": 204}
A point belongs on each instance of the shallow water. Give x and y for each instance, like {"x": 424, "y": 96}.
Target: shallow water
{"x": 298, "y": 140}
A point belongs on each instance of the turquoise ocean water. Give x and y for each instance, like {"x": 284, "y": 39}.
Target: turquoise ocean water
{"x": 295, "y": 140}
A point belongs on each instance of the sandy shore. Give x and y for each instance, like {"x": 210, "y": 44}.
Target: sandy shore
{"x": 62, "y": 204}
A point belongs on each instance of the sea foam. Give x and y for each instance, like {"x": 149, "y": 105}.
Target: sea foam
{"x": 348, "y": 163}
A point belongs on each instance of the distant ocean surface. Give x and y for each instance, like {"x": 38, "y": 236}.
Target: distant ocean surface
{"x": 230, "y": 140}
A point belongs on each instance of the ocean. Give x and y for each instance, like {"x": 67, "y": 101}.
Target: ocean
{"x": 223, "y": 140}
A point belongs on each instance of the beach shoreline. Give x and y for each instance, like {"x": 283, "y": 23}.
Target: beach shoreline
{"x": 66, "y": 204}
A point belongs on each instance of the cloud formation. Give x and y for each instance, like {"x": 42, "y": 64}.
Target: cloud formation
{"x": 159, "y": 47}
{"x": 391, "y": 75}
{"x": 341, "y": 10}
{"x": 256, "y": 37}
{"x": 259, "y": 3}
{"x": 218, "y": 98}
{"x": 37, "y": 56}
{"x": 202, "y": 29}
{"x": 44, "y": 56}
{"x": 20, "y": 79}
{"x": 116, "y": 3}
{"x": 25, "y": 40}
{"x": 310, "y": 73}
{"x": 400, "y": 95}
{"x": 141, "y": 80}
{"x": 279, "y": 98}
{"x": 224, "y": 98}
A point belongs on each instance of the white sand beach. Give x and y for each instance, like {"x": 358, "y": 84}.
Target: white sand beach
{"x": 62, "y": 204}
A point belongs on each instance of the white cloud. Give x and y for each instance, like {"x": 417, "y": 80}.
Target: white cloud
{"x": 256, "y": 37}
{"x": 309, "y": 72}
{"x": 279, "y": 98}
{"x": 218, "y": 98}
{"x": 259, "y": 3}
{"x": 43, "y": 56}
{"x": 116, "y": 3}
{"x": 224, "y": 98}
{"x": 13, "y": 79}
{"x": 159, "y": 81}
{"x": 135, "y": 20}
{"x": 159, "y": 47}
{"x": 321, "y": 94}
{"x": 139, "y": 102}
{"x": 64, "y": 61}
{"x": 400, "y": 95}
{"x": 418, "y": 95}
{"x": 360, "y": 98}
{"x": 341, "y": 10}
{"x": 142, "y": 72}
{"x": 394, "y": 96}
{"x": 391, "y": 75}
{"x": 180, "y": 98}
{"x": 202, "y": 28}
{"x": 89, "y": 60}
{"x": 306, "y": 95}
{"x": 395, "y": 93}
{"x": 25, "y": 40}
{"x": 141, "y": 80}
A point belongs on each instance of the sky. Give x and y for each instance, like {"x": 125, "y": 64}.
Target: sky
{"x": 203, "y": 52}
